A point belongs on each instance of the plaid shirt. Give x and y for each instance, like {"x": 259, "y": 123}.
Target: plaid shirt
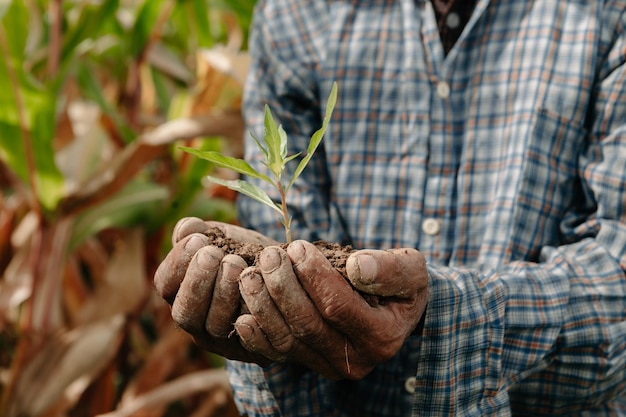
{"x": 503, "y": 161}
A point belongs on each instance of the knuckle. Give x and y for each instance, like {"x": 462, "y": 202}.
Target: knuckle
{"x": 283, "y": 343}
{"x": 307, "y": 328}
{"x": 338, "y": 310}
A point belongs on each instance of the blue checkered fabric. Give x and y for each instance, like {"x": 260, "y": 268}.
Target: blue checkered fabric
{"x": 503, "y": 162}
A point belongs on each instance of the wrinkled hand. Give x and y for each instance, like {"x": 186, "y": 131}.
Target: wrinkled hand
{"x": 201, "y": 284}
{"x": 303, "y": 311}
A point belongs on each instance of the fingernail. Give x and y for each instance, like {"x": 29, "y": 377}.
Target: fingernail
{"x": 297, "y": 252}
{"x": 368, "y": 268}
{"x": 207, "y": 261}
{"x": 251, "y": 282}
{"x": 231, "y": 270}
{"x": 244, "y": 331}
{"x": 270, "y": 259}
{"x": 195, "y": 242}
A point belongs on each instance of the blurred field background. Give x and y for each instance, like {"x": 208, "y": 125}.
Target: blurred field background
{"x": 95, "y": 96}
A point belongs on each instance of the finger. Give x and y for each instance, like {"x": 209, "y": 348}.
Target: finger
{"x": 265, "y": 312}
{"x": 396, "y": 272}
{"x": 256, "y": 340}
{"x": 225, "y": 305}
{"x": 187, "y": 226}
{"x": 240, "y": 234}
{"x": 307, "y": 327}
{"x": 171, "y": 271}
{"x": 332, "y": 295}
{"x": 292, "y": 301}
{"x": 192, "y": 301}
{"x": 344, "y": 308}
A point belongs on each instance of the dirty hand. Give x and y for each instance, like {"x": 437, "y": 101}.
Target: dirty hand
{"x": 303, "y": 311}
{"x": 201, "y": 283}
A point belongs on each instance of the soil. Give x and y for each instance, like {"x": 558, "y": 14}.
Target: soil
{"x": 337, "y": 254}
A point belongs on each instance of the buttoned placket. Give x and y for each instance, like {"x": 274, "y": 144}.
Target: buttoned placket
{"x": 436, "y": 241}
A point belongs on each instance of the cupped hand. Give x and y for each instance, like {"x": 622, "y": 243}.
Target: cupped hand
{"x": 201, "y": 283}
{"x": 303, "y": 311}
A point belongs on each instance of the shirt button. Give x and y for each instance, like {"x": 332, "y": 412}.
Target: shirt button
{"x": 443, "y": 89}
{"x": 431, "y": 226}
{"x": 410, "y": 384}
{"x": 453, "y": 20}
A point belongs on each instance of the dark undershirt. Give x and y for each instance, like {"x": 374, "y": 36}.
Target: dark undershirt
{"x": 452, "y": 16}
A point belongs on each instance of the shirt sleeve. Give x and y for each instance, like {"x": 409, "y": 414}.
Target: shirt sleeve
{"x": 546, "y": 338}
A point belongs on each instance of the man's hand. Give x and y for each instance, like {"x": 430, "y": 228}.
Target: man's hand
{"x": 201, "y": 284}
{"x": 303, "y": 311}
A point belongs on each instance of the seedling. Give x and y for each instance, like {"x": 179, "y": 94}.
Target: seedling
{"x": 274, "y": 149}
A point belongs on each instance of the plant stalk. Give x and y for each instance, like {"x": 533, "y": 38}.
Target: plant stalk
{"x": 283, "y": 206}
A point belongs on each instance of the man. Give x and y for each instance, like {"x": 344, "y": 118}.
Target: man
{"x": 489, "y": 136}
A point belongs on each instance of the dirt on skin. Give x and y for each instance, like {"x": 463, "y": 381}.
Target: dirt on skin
{"x": 334, "y": 252}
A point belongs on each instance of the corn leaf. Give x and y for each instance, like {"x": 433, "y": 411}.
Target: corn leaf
{"x": 4, "y": 6}
{"x": 87, "y": 26}
{"x": 36, "y": 103}
{"x": 88, "y": 82}
{"x": 249, "y": 190}
{"x": 316, "y": 139}
{"x": 145, "y": 21}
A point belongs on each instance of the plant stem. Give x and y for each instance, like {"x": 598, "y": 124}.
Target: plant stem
{"x": 55, "y": 33}
{"x": 286, "y": 220}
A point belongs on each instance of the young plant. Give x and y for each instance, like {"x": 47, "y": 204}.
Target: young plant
{"x": 274, "y": 150}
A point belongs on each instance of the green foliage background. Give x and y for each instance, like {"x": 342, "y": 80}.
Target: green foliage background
{"x": 67, "y": 218}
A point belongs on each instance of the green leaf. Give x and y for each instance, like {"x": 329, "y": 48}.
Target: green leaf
{"x": 235, "y": 164}
{"x": 145, "y": 22}
{"x": 134, "y": 204}
{"x": 4, "y": 6}
{"x": 294, "y": 156}
{"x": 200, "y": 19}
{"x": 260, "y": 146}
{"x": 92, "y": 17}
{"x": 283, "y": 142}
{"x": 316, "y": 139}
{"x": 276, "y": 143}
{"x": 92, "y": 89}
{"x": 248, "y": 189}
{"x": 37, "y": 105}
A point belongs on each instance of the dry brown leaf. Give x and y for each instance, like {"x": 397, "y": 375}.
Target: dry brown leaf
{"x": 216, "y": 123}
{"x": 89, "y": 147}
{"x": 125, "y": 285}
{"x": 182, "y": 387}
{"x": 64, "y": 367}
{"x": 111, "y": 177}
{"x": 162, "y": 359}
{"x": 168, "y": 63}
{"x": 16, "y": 286}
{"x": 46, "y": 305}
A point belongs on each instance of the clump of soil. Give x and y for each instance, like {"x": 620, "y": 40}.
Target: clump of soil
{"x": 337, "y": 254}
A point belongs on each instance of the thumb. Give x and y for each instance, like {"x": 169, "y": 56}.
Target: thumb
{"x": 388, "y": 273}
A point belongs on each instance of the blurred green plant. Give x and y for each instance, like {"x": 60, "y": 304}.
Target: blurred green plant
{"x": 92, "y": 96}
